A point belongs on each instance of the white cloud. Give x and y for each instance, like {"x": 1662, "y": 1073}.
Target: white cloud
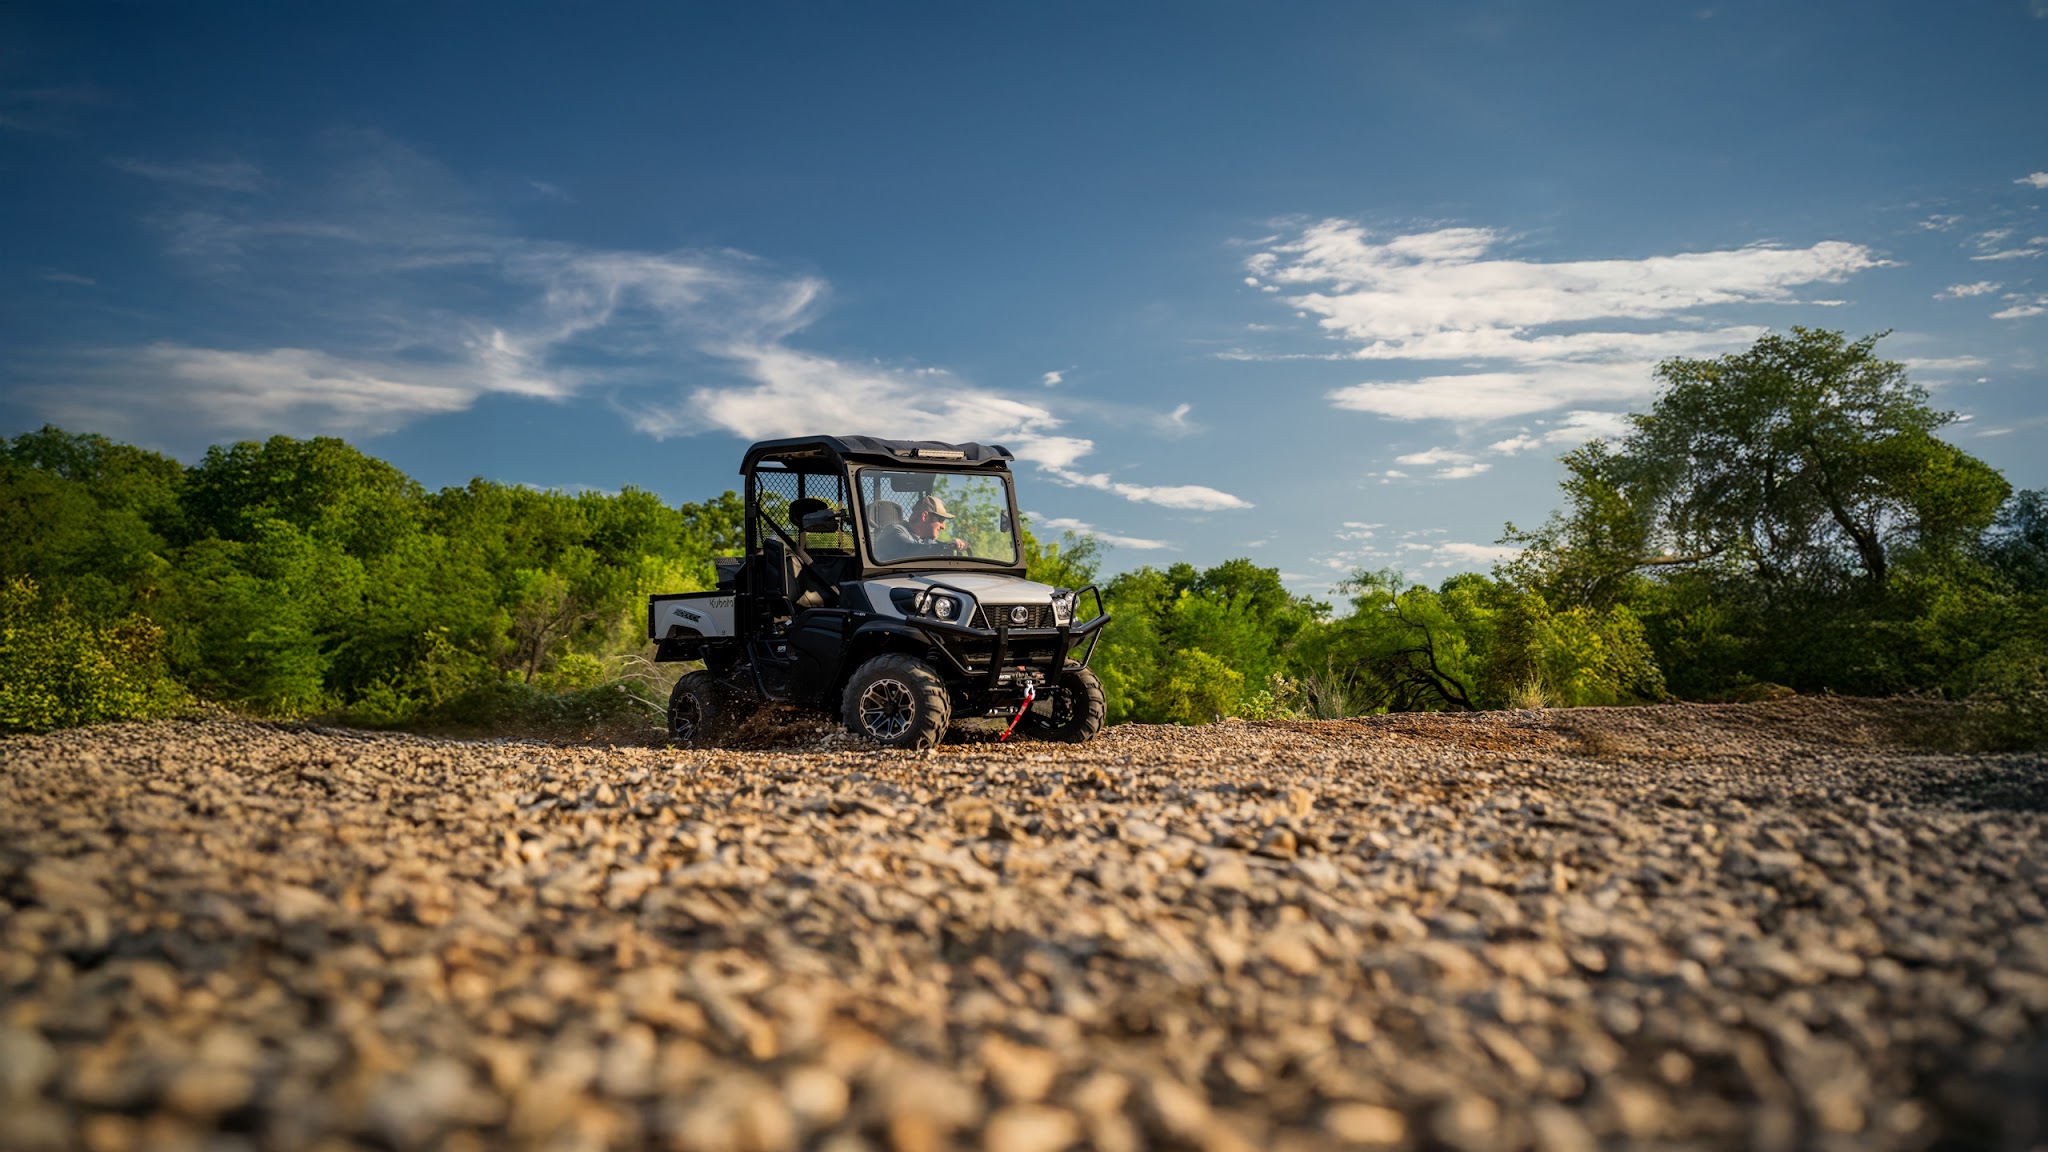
{"x": 1473, "y": 554}
{"x": 1185, "y": 497}
{"x": 1570, "y": 431}
{"x": 2034, "y": 180}
{"x": 1069, "y": 524}
{"x": 1052, "y": 379}
{"x": 2022, "y": 307}
{"x": 1940, "y": 223}
{"x": 2027, "y": 251}
{"x": 1527, "y": 336}
{"x": 171, "y": 388}
{"x": 1434, "y": 456}
{"x": 1991, "y": 245}
{"x": 1965, "y": 291}
{"x": 1482, "y": 396}
{"x": 1406, "y": 288}
{"x": 1462, "y": 471}
{"x": 1575, "y": 428}
{"x": 1933, "y": 364}
{"x": 794, "y": 392}
{"x": 374, "y": 254}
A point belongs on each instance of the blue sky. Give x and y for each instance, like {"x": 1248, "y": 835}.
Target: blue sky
{"x": 1327, "y": 285}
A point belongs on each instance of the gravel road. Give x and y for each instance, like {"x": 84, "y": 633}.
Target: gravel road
{"x": 1769, "y": 926}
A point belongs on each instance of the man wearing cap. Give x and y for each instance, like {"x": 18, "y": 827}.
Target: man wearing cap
{"x": 928, "y": 518}
{"x": 895, "y": 540}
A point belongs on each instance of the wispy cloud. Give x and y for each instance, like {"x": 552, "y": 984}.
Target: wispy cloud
{"x": 404, "y": 298}
{"x": 140, "y": 392}
{"x": 1569, "y": 431}
{"x": 50, "y": 110}
{"x": 1476, "y": 397}
{"x": 1941, "y": 222}
{"x": 2034, "y": 180}
{"x": 2022, "y": 307}
{"x": 1454, "y": 553}
{"x": 1434, "y": 456}
{"x": 1184, "y": 497}
{"x": 1069, "y": 524}
{"x": 1965, "y": 291}
{"x": 1052, "y": 379}
{"x": 1528, "y": 336}
{"x": 1938, "y": 364}
{"x": 1462, "y": 471}
{"x": 1450, "y": 464}
{"x": 1415, "y": 550}
{"x": 219, "y": 175}
{"x": 2027, "y": 251}
{"x": 1993, "y": 245}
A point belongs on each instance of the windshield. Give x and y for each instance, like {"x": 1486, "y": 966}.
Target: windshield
{"x": 936, "y": 516}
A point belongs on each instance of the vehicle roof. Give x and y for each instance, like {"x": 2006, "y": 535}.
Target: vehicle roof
{"x": 835, "y": 450}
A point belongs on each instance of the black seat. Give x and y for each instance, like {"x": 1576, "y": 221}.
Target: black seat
{"x": 804, "y": 587}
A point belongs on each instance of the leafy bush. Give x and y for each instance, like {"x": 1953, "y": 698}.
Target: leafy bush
{"x": 57, "y": 670}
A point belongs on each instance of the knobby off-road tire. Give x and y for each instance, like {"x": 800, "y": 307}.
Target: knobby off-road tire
{"x": 1071, "y": 711}
{"x": 898, "y": 702}
{"x": 703, "y": 710}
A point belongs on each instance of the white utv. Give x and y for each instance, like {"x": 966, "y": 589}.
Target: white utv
{"x": 883, "y": 581}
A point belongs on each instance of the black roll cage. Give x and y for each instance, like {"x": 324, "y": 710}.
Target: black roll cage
{"x": 842, "y": 458}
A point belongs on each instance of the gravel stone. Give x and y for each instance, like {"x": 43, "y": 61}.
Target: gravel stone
{"x": 1777, "y": 925}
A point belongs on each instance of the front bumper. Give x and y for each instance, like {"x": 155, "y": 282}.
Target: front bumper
{"x": 1003, "y": 658}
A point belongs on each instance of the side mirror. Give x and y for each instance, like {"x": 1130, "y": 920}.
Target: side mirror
{"x": 1006, "y": 524}
{"x": 823, "y": 520}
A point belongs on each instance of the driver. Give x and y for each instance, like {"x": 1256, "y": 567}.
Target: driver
{"x": 928, "y": 518}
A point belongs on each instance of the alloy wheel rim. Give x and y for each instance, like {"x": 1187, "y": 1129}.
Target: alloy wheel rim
{"x": 1062, "y": 707}
{"x": 886, "y": 709}
{"x": 683, "y": 718}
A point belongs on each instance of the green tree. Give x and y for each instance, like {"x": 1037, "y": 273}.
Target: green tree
{"x": 87, "y": 519}
{"x": 58, "y": 670}
{"x": 1806, "y": 461}
{"x": 1173, "y": 634}
{"x": 1787, "y": 513}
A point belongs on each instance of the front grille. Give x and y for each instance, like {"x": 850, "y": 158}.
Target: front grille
{"x": 1035, "y": 615}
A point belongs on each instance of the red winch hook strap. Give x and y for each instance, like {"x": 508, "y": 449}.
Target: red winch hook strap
{"x": 1030, "y": 694}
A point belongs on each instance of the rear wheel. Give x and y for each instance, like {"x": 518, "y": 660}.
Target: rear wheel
{"x": 702, "y": 710}
{"x": 1071, "y": 711}
{"x": 897, "y": 701}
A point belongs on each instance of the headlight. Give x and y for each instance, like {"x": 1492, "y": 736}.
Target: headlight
{"x": 945, "y": 607}
{"x": 1063, "y": 608}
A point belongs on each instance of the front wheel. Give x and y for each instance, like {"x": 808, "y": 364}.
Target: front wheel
{"x": 897, "y": 701}
{"x": 1071, "y": 711}
{"x": 702, "y": 710}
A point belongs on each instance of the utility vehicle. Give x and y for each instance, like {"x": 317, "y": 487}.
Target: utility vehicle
{"x": 883, "y": 581}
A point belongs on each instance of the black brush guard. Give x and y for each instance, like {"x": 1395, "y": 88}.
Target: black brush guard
{"x": 1003, "y": 637}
